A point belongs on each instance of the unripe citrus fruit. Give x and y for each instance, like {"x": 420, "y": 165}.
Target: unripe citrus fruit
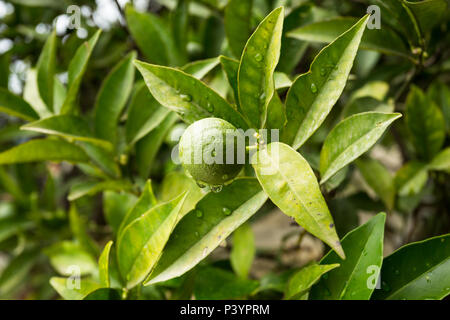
{"x": 209, "y": 151}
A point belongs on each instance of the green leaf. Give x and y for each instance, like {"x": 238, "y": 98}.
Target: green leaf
{"x": 112, "y": 97}
{"x": 289, "y": 181}
{"x": 231, "y": 68}
{"x": 32, "y": 96}
{"x": 43, "y": 150}
{"x": 199, "y": 69}
{"x": 356, "y": 278}
{"x": 12, "y": 226}
{"x": 152, "y": 37}
{"x": 145, "y": 202}
{"x": 67, "y": 126}
{"x": 379, "y": 179}
{"x": 217, "y": 284}
{"x": 115, "y": 207}
{"x": 441, "y": 161}
{"x": 5, "y": 61}
{"x": 90, "y": 188}
{"x": 203, "y": 229}
{"x": 144, "y": 115}
{"x": 366, "y": 104}
{"x": 69, "y": 290}
{"x": 46, "y": 70}
{"x": 243, "y": 251}
{"x": 148, "y": 147}
{"x": 411, "y": 178}
{"x": 351, "y": 138}
{"x": 300, "y": 283}
{"x": 141, "y": 243}
{"x": 256, "y": 68}
{"x": 104, "y": 294}
{"x": 16, "y": 106}
{"x": 425, "y": 123}
{"x": 417, "y": 271}
{"x": 64, "y": 255}
{"x": 103, "y": 265}
{"x": 440, "y": 94}
{"x": 186, "y": 95}
{"x": 102, "y": 158}
{"x": 77, "y": 68}
{"x": 313, "y": 94}
{"x": 179, "y": 22}
{"x": 14, "y": 275}
{"x": 238, "y": 15}
{"x": 383, "y": 40}
{"x": 174, "y": 184}
{"x": 427, "y": 13}
{"x": 78, "y": 227}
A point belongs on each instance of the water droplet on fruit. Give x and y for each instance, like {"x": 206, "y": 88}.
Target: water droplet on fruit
{"x": 313, "y": 88}
{"x": 226, "y": 211}
{"x": 216, "y": 189}
{"x": 258, "y": 57}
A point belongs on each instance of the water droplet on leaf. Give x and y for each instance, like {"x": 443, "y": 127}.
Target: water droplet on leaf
{"x": 258, "y": 57}
{"x": 313, "y": 88}
{"x": 226, "y": 211}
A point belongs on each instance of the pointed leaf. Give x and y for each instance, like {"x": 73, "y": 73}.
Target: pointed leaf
{"x": 67, "y": 126}
{"x": 383, "y": 40}
{"x": 351, "y": 138}
{"x": 103, "y": 265}
{"x": 289, "y": 181}
{"x": 352, "y": 280}
{"x": 186, "y": 95}
{"x": 46, "y": 70}
{"x": 411, "y": 178}
{"x": 300, "y": 283}
{"x": 199, "y": 69}
{"x": 142, "y": 241}
{"x": 243, "y": 251}
{"x": 43, "y": 150}
{"x": 16, "y": 106}
{"x": 313, "y": 94}
{"x": 112, "y": 98}
{"x": 64, "y": 255}
{"x": 379, "y": 179}
{"x": 425, "y": 123}
{"x": 144, "y": 115}
{"x": 238, "y": 16}
{"x": 91, "y": 188}
{"x": 441, "y": 161}
{"x": 145, "y": 202}
{"x": 200, "y": 231}
{"x": 152, "y": 37}
{"x": 256, "y": 68}
{"x": 77, "y": 68}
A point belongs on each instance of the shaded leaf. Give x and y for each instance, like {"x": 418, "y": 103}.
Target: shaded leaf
{"x": 77, "y": 68}
{"x": 199, "y": 69}
{"x": 112, "y": 98}
{"x": 103, "y": 265}
{"x": 67, "y": 126}
{"x": 16, "y": 106}
{"x": 69, "y": 290}
{"x": 238, "y": 15}
{"x": 43, "y": 150}
{"x": 243, "y": 251}
{"x": 417, "y": 271}
{"x": 90, "y": 188}
{"x": 65, "y": 255}
{"x": 46, "y": 70}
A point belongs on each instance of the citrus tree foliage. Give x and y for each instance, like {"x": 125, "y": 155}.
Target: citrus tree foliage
{"x": 91, "y": 117}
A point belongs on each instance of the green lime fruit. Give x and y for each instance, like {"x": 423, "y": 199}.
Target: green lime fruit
{"x": 211, "y": 151}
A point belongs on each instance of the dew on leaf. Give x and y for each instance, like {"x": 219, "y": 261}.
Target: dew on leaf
{"x": 186, "y": 97}
{"x": 258, "y": 57}
{"x": 313, "y": 88}
{"x": 226, "y": 211}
